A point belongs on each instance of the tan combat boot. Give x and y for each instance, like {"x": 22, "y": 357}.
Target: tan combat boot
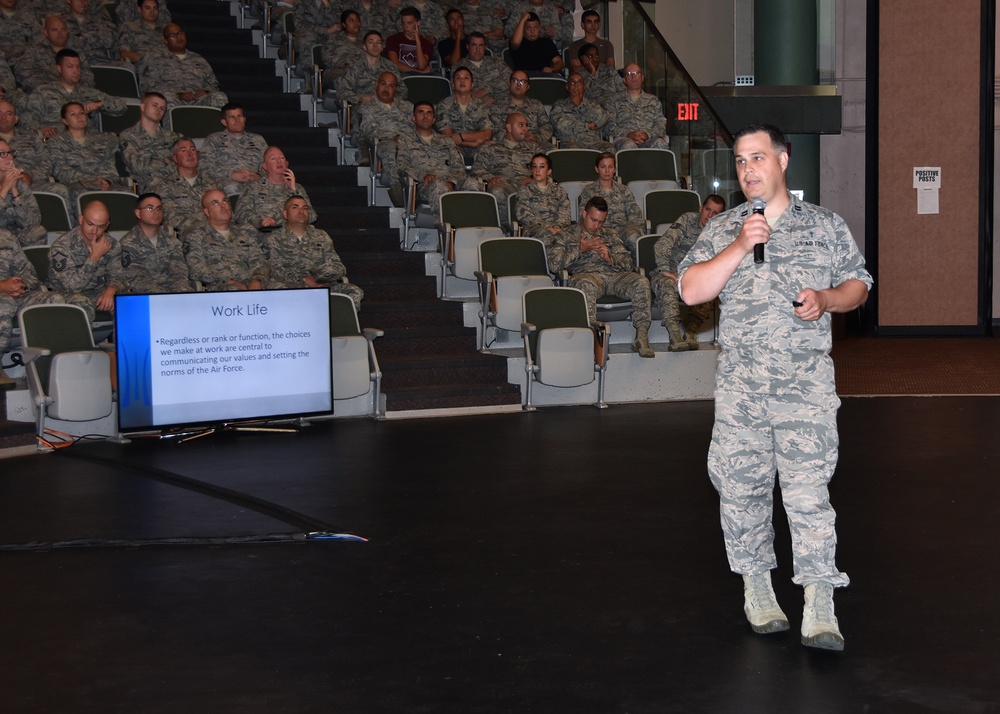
{"x": 761, "y": 606}
{"x": 677, "y": 341}
{"x": 819, "y": 625}
{"x": 641, "y": 344}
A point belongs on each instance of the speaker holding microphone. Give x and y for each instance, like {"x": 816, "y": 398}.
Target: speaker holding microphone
{"x": 757, "y": 206}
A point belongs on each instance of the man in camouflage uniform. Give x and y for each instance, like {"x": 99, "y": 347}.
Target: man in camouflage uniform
{"x": 44, "y": 108}
{"x": 127, "y": 11}
{"x": 37, "y": 65}
{"x": 637, "y": 120}
{"x": 143, "y": 36}
{"x": 18, "y": 26}
{"x": 93, "y": 33}
{"x": 431, "y": 159}
{"x": 83, "y": 160}
{"x": 181, "y": 193}
{"x": 505, "y": 165}
{"x": 19, "y": 212}
{"x": 577, "y": 121}
{"x": 516, "y": 100}
{"x": 152, "y": 258}
{"x": 485, "y": 20}
{"x": 182, "y": 76}
{"x": 19, "y": 288}
{"x": 599, "y": 263}
{"x": 262, "y": 202}
{"x": 462, "y": 117}
{"x": 670, "y": 250}
{"x": 232, "y": 157}
{"x": 386, "y": 119}
{"x": 357, "y": 86}
{"x": 87, "y": 260}
{"x": 775, "y": 396}
{"x": 542, "y": 209}
{"x": 222, "y": 255}
{"x": 489, "y": 72}
{"x": 301, "y": 255}
{"x": 147, "y": 147}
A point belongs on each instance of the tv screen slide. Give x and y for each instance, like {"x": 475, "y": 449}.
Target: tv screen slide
{"x": 200, "y": 358}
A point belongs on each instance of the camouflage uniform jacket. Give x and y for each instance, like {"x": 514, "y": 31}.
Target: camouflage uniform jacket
{"x": 72, "y": 271}
{"x": 492, "y": 74}
{"x": 31, "y": 154}
{"x": 564, "y": 253}
{"x": 182, "y": 199}
{"x": 432, "y": 20}
{"x": 11, "y": 92}
{"x": 37, "y": 66}
{"x": 606, "y": 87}
{"x": 17, "y": 31}
{"x": 95, "y": 35}
{"x": 510, "y": 162}
{"x": 72, "y": 160}
{"x": 532, "y": 109}
{"x": 292, "y": 258}
{"x": 170, "y": 73}
{"x": 386, "y": 121}
{"x": 569, "y": 121}
{"x": 643, "y": 113}
{"x": 676, "y": 241}
{"x": 262, "y": 198}
{"x": 141, "y": 38}
{"x": 214, "y": 259}
{"x": 538, "y": 210}
{"x": 223, "y": 152}
{"x": 46, "y": 102}
{"x": 417, "y": 158}
{"x": 450, "y": 115}
{"x": 359, "y": 80}
{"x": 147, "y": 156}
{"x": 154, "y": 269}
{"x": 340, "y": 51}
{"x": 765, "y": 348}
{"x": 624, "y": 214}
{"x": 13, "y": 262}
{"x": 20, "y": 215}
{"x": 479, "y": 18}
{"x": 312, "y": 17}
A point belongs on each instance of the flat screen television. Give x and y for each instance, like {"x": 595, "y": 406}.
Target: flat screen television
{"x": 186, "y": 359}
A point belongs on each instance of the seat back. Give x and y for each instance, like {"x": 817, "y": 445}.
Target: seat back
{"x": 116, "y": 125}
{"x": 645, "y": 255}
{"x": 343, "y": 316}
{"x": 646, "y": 165}
{"x": 465, "y": 209}
{"x": 503, "y": 257}
{"x": 548, "y": 308}
{"x": 426, "y": 88}
{"x": 349, "y": 350}
{"x": 465, "y": 248}
{"x": 195, "y": 123}
{"x": 121, "y": 208}
{"x": 547, "y": 90}
{"x": 641, "y": 187}
{"x": 118, "y": 81}
{"x": 573, "y": 164}
{"x": 562, "y": 347}
{"x": 38, "y": 256}
{"x": 667, "y": 205}
{"x": 55, "y": 213}
{"x": 57, "y": 328}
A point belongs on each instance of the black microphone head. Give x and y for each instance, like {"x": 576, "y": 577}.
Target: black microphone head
{"x": 758, "y": 205}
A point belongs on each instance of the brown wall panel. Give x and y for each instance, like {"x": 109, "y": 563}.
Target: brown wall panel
{"x": 929, "y": 108}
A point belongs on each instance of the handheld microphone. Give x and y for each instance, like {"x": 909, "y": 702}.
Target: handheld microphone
{"x": 757, "y": 206}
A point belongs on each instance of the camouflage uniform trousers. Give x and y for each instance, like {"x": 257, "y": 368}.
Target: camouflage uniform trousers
{"x": 667, "y": 300}
{"x": 623, "y": 284}
{"x": 795, "y": 434}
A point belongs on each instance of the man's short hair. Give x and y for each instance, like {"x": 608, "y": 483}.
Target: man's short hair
{"x": 155, "y": 95}
{"x": 584, "y": 48}
{"x": 454, "y": 11}
{"x": 715, "y": 198}
{"x": 476, "y": 36}
{"x": 370, "y": 33}
{"x": 532, "y": 17}
{"x": 284, "y": 206}
{"x": 346, "y": 14}
{"x": 66, "y": 52}
{"x": 66, "y": 106}
{"x": 421, "y": 103}
{"x": 231, "y": 107}
{"x": 596, "y": 202}
{"x": 777, "y": 137}
{"x": 410, "y": 11}
{"x": 526, "y": 76}
{"x": 590, "y": 13}
{"x": 463, "y": 69}
{"x": 180, "y": 139}
{"x": 149, "y": 194}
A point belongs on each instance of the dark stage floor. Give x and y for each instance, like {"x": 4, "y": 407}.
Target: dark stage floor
{"x": 568, "y": 560}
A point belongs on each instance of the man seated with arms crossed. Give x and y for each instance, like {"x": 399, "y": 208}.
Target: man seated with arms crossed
{"x": 599, "y": 263}
{"x": 231, "y": 157}
{"x": 152, "y": 258}
{"x": 222, "y": 255}
{"x": 301, "y": 255}
{"x": 505, "y": 165}
{"x": 147, "y": 147}
{"x": 87, "y": 260}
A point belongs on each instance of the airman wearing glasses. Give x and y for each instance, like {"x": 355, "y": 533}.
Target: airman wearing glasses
{"x": 222, "y": 255}
{"x": 578, "y": 122}
{"x": 152, "y": 258}
{"x": 517, "y": 100}
{"x": 182, "y": 76}
{"x": 637, "y": 120}
{"x": 87, "y": 260}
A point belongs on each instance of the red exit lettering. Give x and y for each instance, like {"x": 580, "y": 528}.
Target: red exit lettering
{"x": 687, "y": 111}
